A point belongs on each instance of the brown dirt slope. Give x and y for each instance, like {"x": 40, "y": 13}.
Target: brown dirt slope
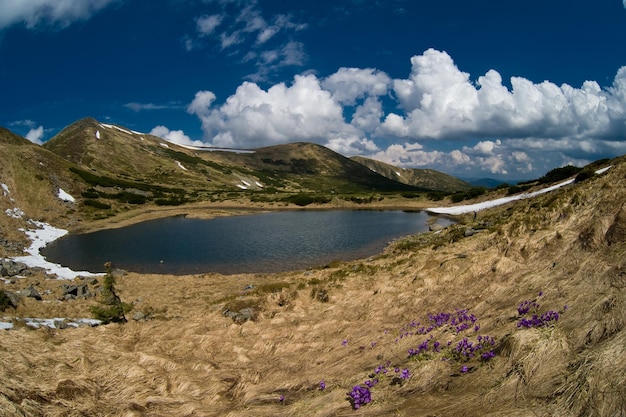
{"x": 340, "y": 322}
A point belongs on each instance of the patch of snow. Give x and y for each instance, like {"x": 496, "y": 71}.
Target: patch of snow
{"x": 16, "y": 213}
{"x": 123, "y": 130}
{"x": 108, "y": 126}
{"x": 97, "y": 134}
{"x": 136, "y": 133}
{"x": 398, "y": 174}
{"x": 5, "y": 189}
{"x": 181, "y": 166}
{"x": 258, "y": 184}
{"x": 499, "y": 201}
{"x": 246, "y": 183}
{"x": 603, "y": 170}
{"x": 40, "y": 237}
{"x": 58, "y": 322}
{"x": 65, "y": 196}
{"x": 211, "y": 149}
{"x": 243, "y": 187}
{"x": 6, "y": 325}
{"x": 165, "y": 145}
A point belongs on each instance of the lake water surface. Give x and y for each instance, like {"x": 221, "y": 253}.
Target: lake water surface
{"x": 267, "y": 242}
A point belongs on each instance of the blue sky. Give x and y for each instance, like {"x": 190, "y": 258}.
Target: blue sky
{"x": 502, "y": 89}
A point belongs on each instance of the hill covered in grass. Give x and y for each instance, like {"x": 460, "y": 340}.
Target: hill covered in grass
{"x": 120, "y": 165}
{"x": 423, "y": 178}
{"x": 517, "y": 311}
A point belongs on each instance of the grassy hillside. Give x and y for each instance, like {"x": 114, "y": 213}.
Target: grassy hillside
{"x": 33, "y": 177}
{"x": 119, "y": 167}
{"x": 423, "y": 178}
{"x": 311, "y": 167}
{"x": 388, "y": 318}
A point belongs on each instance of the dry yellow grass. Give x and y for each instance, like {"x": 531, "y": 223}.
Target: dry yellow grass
{"x": 191, "y": 360}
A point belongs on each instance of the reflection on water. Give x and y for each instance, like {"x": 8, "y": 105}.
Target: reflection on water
{"x": 268, "y": 242}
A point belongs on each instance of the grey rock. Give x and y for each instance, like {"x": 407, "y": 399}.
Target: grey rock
{"x": 138, "y": 315}
{"x": 240, "y": 316}
{"x": 60, "y": 324}
{"x": 31, "y": 292}
{"x": 10, "y": 268}
{"x": 14, "y": 298}
{"x": 75, "y": 291}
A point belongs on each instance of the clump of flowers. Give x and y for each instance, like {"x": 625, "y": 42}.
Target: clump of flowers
{"x": 359, "y": 396}
{"x": 460, "y": 320}
{"x": 421, "y": 350}
{"x": 536, "y": 320}
{"x": 526, "y": 305}
{"x": 465, "y": 350}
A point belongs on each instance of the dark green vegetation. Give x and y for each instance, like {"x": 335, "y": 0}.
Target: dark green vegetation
{"x": 112, "y": 309}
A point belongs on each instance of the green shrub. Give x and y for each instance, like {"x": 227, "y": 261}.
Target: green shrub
{"x": 436, "y": 195}
{"x": 91, "y": 193}
{"x": 96, "y": 204}
{"x": 583, "y": 175}
{"x": 559, "y": 174}
{"x": 130, "y": 198}
{"x": 113, "y": 310}
{"x": 469, "y": 194}
{"x": 303, "y": 199}
{"x": 172, "y": 201}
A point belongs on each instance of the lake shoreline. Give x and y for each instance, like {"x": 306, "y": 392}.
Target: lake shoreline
{"x": 211, "y": 210}
{"x": 258, "y": 241}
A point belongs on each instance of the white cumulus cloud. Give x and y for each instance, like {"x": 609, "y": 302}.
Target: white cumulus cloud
{"x": 441, "y": 102}
{"x": 254, "y": 117}
{"x": 48, "y": 12}
{"x": 35, "y": 135}
{"x": 175, "y": 136}
{"x": 483, "y": 125}
{"x": 349, "y": 84}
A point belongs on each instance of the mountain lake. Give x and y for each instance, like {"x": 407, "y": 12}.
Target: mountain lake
{"x": 263, "y": 243}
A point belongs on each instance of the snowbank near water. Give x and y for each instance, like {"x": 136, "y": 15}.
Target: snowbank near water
{"x": 499, "y": 201}
{"x": 40, "y": 236}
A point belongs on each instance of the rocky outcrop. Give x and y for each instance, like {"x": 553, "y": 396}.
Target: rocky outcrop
{"x": 240, "y": 316}
{"x": 11, "y": 246}
{"x": 73, "y": 291}
{"x": 8, "y": 299}
{"x": 30, "y": 292}
{"x": 11, "y": 268}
